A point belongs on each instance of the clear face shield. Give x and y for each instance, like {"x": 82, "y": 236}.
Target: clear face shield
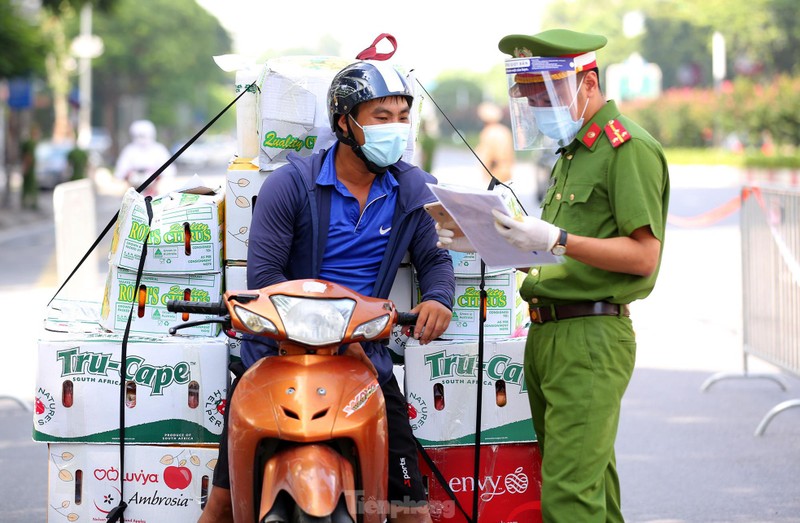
{"x": 543, "y": 102}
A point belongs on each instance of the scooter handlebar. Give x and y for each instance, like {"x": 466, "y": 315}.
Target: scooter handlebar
{"x": 197, "y": 307}
{"x": 407, "y": 318}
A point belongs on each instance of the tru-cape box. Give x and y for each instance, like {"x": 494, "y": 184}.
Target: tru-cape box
{"x": 175, "y": 388}
{"x": 441, "y": 390}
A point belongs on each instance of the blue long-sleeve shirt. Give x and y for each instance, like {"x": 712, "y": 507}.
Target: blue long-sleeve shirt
{"x": 290, "y": 227}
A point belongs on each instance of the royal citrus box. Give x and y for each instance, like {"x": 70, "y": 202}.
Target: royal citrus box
{"x": 175, "y": 388}
{"x": 469, "y": 264}
{"x": 243, "y": 181}
{"x": 441, "y": 390}
{"x": 149, "y": 301}
{"x": 509, "y": 484}
{"x": 160, "y": 483}
{"x": 185, "y": 234}
{"x": 506, "y": 312}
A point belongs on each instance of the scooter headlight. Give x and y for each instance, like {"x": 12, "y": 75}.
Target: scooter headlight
{"x": 254, "y": 322}
{"x": 314, "y": 321}
{"x": 371, "y": 328}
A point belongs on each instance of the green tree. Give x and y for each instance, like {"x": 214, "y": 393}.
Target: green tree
{"x": 55, "y": 17}
{"x": 678, "y": 32}
{"x": 170, "y": 72}
{"x": 21, "y": 35}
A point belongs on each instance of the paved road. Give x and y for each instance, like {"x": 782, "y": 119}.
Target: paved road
{"x": 684, "y": 456}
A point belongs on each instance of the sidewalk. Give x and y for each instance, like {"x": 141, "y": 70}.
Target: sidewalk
{"x": 14, "y": 219}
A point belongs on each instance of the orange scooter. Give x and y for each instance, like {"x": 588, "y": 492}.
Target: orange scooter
{"x": 307, "y": 435}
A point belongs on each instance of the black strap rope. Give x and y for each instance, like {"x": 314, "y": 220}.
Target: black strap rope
{"x": 441, "y": 479}
{"x": 147, "y": 182}
{"x": 117, "y": 512}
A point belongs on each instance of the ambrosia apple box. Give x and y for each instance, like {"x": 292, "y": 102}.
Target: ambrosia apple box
{"x": 159, "y": 484}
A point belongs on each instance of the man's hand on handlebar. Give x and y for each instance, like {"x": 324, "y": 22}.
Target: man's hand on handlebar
{"x": 432, "y": 322}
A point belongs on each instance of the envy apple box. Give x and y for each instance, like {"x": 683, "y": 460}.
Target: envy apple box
{"x": 509, "y": 485}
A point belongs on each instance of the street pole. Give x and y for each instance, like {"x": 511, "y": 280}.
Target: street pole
{"x": 85, "y": 83}
{"x": 718, "y": 73}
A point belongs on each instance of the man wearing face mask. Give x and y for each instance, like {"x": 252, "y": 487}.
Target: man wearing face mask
{"x": 605, "y": 212}
{"x": 349, "y": 215}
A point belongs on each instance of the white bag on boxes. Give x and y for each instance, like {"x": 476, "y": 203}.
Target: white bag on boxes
{"x": 294, "y": 107}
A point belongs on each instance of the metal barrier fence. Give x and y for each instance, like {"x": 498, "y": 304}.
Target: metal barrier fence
{"x": 770, "y": 229}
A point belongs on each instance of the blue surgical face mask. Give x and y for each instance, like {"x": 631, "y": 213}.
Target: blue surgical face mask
{"x": 557, "y": 123}
{"x": 384, "y": 143}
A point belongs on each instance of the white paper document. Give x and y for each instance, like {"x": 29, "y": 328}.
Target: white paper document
{"x": 472, "y": 211}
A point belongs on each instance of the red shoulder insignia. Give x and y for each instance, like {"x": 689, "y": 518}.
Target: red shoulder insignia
{"x": 616, "y": 133}
{"x": 591, "y": 135}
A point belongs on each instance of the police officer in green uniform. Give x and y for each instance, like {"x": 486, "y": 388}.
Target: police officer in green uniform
{"x": 605, "y": 212}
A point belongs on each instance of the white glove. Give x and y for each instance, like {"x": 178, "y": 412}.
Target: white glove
{"x": 530, "y": 234}
{"x": 449, "y": 240}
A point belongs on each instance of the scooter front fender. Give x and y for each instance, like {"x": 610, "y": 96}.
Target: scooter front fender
{"x": 315, "y": 476}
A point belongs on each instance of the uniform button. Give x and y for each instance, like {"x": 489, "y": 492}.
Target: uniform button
{"x": 558, "y": 196}
{"x": 534, "y": 300}
{"x": 534, "y": 272}
{"x": 591, "y": 134}
{"x": 571, "y": 197}
{"x": 569, "y": 157}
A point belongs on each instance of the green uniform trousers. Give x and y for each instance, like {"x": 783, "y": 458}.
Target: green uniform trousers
{"x": 577, "y": 371}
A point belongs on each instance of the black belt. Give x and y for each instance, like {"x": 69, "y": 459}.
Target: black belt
{"x": 577, "y": 310}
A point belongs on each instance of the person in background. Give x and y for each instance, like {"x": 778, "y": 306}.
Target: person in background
{"x": 605, "y": 213}
{"x": 495, "y": 144}
{"x": 348, "y": 215}
{"x": 142, "y": 157}
{"x": 30, "y": 185}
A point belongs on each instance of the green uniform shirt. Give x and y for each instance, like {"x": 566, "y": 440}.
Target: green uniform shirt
{"x": 601, "y": 191}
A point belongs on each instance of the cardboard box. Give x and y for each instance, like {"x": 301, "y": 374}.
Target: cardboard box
{"x": 507, "y": 313}
{"x": 469, "y": 264}
{"x": 510, "y": 483}
{"x": 185, "y": 233}
{"x": 176, "y": 388}
{"x": 442, "y": 394}
{"x": 243, "y": 181}
{"x": 121, "y": 293}
{"x": 235, "y": 280}
{"x": 160, "y": 483}
{"x": 294, "y": 107}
